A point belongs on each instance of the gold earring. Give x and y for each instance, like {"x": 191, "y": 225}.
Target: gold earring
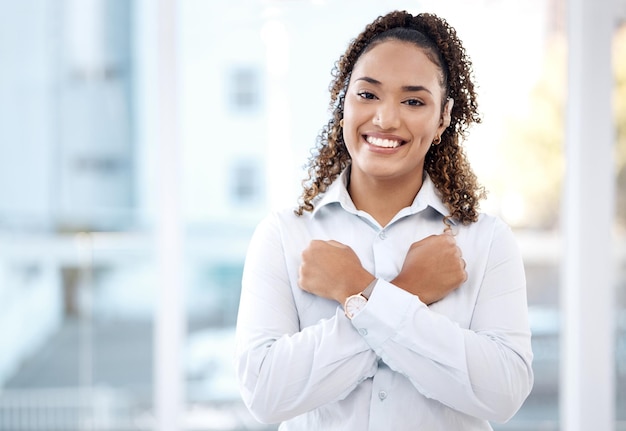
{"x": 437, "y": 140}
{"x": 341, "y": 123}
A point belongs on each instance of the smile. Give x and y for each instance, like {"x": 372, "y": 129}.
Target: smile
{"x": 383, "y": 143}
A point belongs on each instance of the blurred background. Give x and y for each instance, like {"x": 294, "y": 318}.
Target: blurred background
{"x": 81, "y": 186}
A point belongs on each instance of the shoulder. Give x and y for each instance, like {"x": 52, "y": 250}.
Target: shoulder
{"x": 282, "y": 220}
{"x": 491, "y": 222}
{"x": 502, "y": 239}
{"x": 489, "y": 230}
{"x": 288, "y": 217}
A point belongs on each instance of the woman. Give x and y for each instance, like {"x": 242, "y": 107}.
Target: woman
{"x": 387, "y": 301}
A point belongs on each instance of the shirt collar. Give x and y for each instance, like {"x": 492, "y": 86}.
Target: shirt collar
{"x": 337, "y": 193}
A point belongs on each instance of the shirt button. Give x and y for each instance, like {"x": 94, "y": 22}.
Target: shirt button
{"x": 382, "y": 395}
{"x": 382, "y": 234}
{"x": 363, "y": 331}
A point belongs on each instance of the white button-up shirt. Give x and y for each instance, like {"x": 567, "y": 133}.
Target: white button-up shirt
{"x": 398, "y": 364}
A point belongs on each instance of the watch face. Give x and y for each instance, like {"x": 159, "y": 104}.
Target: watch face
{"x": 354, "y": 304}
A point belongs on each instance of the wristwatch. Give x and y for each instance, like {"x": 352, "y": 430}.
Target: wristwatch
{"x": 355, "y": 303}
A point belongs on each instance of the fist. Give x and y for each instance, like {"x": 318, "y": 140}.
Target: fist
{"x": 433, "y": 267}
{"x": 332, "y": 270}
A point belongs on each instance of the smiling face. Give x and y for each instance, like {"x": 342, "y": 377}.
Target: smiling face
{"x": 392, "y": 112}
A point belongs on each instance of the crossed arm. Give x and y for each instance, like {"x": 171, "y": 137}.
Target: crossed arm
{"x": 432, "y": 268}
{"x": 285, "y": 371}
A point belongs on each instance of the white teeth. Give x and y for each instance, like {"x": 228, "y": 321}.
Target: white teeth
{"x": 386, "y": 143}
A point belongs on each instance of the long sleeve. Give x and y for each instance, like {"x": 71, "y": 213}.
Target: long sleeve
{"x": 483, "y": 370}
{"x": 285, "y": 371}
{"x": 398, "y": 364}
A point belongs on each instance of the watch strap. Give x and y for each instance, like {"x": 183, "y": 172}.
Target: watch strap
{"x": 368, "y": 290}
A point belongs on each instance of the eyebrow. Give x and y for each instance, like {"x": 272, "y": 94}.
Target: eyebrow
{"x": 411, "y": 88}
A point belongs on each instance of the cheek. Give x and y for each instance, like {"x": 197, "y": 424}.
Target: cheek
{"x": 350, "y": 124}
{"x": 354, "y": 117}
{"x": 426, "y": 128}
{"x": 350, "y": 135}
{"x": 353, "y": 110}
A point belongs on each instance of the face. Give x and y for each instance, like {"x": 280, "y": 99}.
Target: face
{"x": 392, "y": 112}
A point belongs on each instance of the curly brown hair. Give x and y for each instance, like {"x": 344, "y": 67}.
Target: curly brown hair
{"x": 446, "y": 163}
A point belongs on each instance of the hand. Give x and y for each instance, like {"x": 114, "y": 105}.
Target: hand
{"x": 433, "y": 267}
{"x": 332, "y": 270}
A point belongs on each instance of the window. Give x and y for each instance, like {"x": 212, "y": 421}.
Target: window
{"x": 244, "y": 89}
{"x": 246, "y": 182}
{"x": 76, "y": 311}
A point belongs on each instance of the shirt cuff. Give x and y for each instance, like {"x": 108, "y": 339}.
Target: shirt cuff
{"x": 384, "y": 313}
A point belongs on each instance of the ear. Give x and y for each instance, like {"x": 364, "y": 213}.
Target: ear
{"x": 446, "y": 116}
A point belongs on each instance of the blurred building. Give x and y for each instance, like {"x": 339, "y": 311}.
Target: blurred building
{"x": 78, "y": 121}
{"x": 78, "y": 145}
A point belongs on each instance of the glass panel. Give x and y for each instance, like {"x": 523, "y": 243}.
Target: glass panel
{"x": 76, "y": 272}
{"x": 619, "y": 63}
{"x": 225, "y": 195}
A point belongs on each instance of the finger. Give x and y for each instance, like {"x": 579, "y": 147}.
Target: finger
{"x": 335, "y": 243}
{"x": 300, "y": 279}
{"x": 315, "y": 243}
{"x": 449, "y": 233}
{"x": 448, "y": 238}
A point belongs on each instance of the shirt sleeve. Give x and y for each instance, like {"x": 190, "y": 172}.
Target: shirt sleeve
{"x": 485, "y": 370}
{"x": 284, "y": 371}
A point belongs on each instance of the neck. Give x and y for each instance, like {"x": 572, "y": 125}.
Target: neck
{"x": 383, "y": 199}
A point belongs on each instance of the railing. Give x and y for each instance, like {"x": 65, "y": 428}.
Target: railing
{"x": 68, "y": 409}
{"x": 106, "y": 409}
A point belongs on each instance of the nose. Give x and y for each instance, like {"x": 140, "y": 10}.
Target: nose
{"x": 387, "y": 116}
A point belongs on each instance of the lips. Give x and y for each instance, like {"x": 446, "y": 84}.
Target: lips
{"x": 383, "y": 142}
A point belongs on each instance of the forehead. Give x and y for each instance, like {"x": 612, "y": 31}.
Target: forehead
{"x": 398, "y": 62}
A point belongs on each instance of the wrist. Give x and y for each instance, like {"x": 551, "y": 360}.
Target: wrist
{"x": 398, "y": 282}
{"x": 367, "y": 292}
{"x": 413, "y": 289}
{"x": 355, "y": 303}
{"x": 362, "y": 285}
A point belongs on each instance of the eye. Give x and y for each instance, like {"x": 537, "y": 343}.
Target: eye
{"x": 413, "y": 102}
{"x": 366, "y": 95}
